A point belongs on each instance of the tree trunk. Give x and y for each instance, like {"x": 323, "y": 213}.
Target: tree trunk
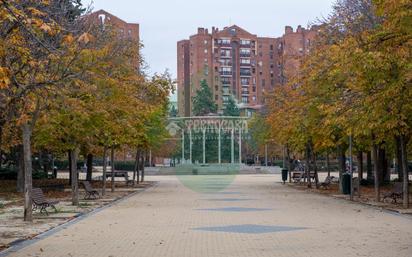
{"x": 315, "y": 169}
{"x": 342, "y": 165}
{"x": 405, "y": 169}
{"x": 376, "y": 172}
{"x": 20, "y": 169}
{"x": 384, "y": 174}
{"x": 136, "y": 168}
{"x": 289, "y": 164}
{"x": 28, "y": 183}
{"x": 89, "y": 173}
{"x": 104, "y": 170}
{"x": 398, "y": 153}
{"x": 328, "y": 163}
{"x": 1, "y": 143}
{"x": 113, "y": 168}
{"x": 74, "y": 177}
{"x": 369, "y": 169}
{"x": 69, "y": 157}
{"x": 54, "y": 168}
{"x": 360, "y": 165}
{"x": 309, "y": 183}
{"x": 143, "y": 164}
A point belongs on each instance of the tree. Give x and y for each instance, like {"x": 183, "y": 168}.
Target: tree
{"x": 231, "y": 109}
{"x": 203, "y": 102}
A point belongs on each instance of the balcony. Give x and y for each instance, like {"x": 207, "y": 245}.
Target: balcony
{"x": 225, "y": 45}
{"x": 225, "y": 73}
{"x": 225, "y": 56}
{"x": 245, "y": 55}
{"x": 245, "y": 45}
{"x": 245, "y": 92}
{"x": 226, "y": 63}
{"x": 245, "y": 73}
{"x": 245, "y": 65}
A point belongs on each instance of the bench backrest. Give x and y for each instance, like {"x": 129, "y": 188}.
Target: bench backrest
{"x": 328, "y": 180}
{"x": 38, "y": 196}
{"x": 398, "y": 187}
{"x": 87, "y": 186}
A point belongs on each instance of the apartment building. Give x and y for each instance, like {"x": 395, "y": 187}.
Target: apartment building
{"x": 124, "y": 29}
{"x": 236, "y": 63}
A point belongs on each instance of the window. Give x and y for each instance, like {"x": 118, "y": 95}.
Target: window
{"x": 225, "y": 80}
{"x": 245, "y": 81}
{"x": 216, "y": 87}
{"x": 245, "y": 52}
{"x": 205, "y": 42}
{"x": 216, "y": 97}
{"x": 205, "y": 51}
{"x": 225, "y": 53}
{"x": 263, "y": 83}
{"x": 244, "y": 61}
{"x": 254, "y": 98}
{"x": 226, "y": 62}
{"x": 271, "y": 47}
{"x": 226, "y": 70}
{"x": 245, "y": 72}
{"x": 225, "y": 98}
{"x": 224, "y": 42}
{"x": 244, "y": 42}
{"x": 245, "y": 99}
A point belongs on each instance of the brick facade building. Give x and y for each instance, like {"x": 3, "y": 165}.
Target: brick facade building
{"x": 238, "y": 64}
{"x": 125, "y": 30}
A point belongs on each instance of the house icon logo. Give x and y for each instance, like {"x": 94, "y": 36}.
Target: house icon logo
{"x": 173, "y": 128}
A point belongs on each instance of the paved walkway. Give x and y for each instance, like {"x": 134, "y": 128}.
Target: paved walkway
{"x": 252, "y": 217}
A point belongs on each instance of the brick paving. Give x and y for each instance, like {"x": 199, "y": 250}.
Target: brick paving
{"x": 172, "y": 220}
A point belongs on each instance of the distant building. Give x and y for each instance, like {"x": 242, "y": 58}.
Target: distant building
{"x": 125, "y": 30}
{"x": 236, "y": 63}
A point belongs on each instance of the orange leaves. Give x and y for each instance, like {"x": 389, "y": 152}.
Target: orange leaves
{"x": 85, "y": 38}
{"x": 4, "y": 77}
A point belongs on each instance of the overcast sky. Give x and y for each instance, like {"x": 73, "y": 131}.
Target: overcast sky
{"x": 164, "y": 22}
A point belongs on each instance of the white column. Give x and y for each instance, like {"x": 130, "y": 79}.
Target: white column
{"x": 183, "y": 146}
{"x": 232, "y": 149}
{"x": 190, "y": 145}
{"x": 219, "y": 146}
{"x": 204, "y": 146}
{"x": 240, "y": 145}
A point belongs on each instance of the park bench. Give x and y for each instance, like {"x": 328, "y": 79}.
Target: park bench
{"x": 297, "y": 176}
{"x": 40, "y": 202}
{"x": 300, "y": 176}
{"x": 119, "y": 174}
{"x": 91, "y": 193}
{"x": 395, "y": 193}
{"x": 327, "y": 182}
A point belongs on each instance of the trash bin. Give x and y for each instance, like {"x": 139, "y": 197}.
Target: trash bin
{"x": 346, "y": 184}
{"x": 284, "y": 175}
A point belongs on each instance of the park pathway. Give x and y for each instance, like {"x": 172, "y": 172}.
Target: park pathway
{"x": 252, "y": 217}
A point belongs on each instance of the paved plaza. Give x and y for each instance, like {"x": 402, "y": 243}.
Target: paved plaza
{"x": 253, "y": 216}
